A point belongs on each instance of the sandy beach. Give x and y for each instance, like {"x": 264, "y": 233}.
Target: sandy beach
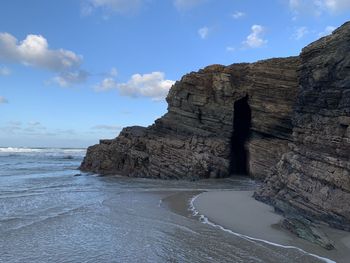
{"x": 240, "y": 213}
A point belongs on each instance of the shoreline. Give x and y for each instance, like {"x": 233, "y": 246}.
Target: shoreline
{"x": 238, "y": 213}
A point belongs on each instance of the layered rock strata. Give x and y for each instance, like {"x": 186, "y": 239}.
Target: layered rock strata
{"x": 300, "y": 135}
{"x": 193, "y": 139}
{"x": 313, "y": 177}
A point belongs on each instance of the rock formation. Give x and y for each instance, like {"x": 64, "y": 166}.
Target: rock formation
{"x": 299, "y": 140}
{"x": 193, "y": 140}
{"x": 313, "y": 177}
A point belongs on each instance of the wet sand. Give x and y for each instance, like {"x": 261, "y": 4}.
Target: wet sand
{"x": 240, "y": 213}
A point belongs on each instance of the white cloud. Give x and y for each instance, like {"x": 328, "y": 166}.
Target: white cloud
{"x": 111, "y": 6}
{"x": 34, "y": 51}
{"x": 255, "y": 38}
{"x": 337, "y": 5}
{"x": 300, "y": 32}
{"x": 4, "y": 71}
{"x": 294, "y": 4}
{"x": 317, "y": 7}
{"x": 69, "y": 78}
{"x": 327, "y": 31}
{"x": 238, "y": 15}
{"x": 109, "y": 82}
{"x": 106, "y": 84}
{"x": 183, "y": 5}
{"x": 153, "y": 85}
{"x": 306, "y": 7}
{"x": 3, "y": 100}
{"x": 203, "y": 32}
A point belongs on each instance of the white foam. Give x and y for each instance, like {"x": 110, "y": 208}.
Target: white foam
{"x": 205, "y": 220}
{"x": 18, "y": 150}
{"x": 35, "y": 150}
{"x": 50, "y": 152}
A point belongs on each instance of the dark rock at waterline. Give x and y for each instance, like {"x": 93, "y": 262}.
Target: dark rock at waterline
{"x": 300, "y": 135}
{"x": 306, "y": 230}
{"x": 68, "y": 157}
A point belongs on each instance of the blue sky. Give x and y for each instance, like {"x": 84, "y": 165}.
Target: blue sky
{"x": 75, "y": 71}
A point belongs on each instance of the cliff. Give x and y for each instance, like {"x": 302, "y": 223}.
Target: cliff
{"x": 297, "y": 110}
{"x": 194, "y": 139}
{"x": 313, "y": 177}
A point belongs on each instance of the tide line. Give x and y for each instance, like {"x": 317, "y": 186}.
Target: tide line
{"x": 205, "y": 220}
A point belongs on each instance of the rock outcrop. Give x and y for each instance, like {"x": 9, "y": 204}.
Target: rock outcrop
{"x": 304, "y": 229}
{"x": 313, "y": 177}
{"x": 193, "y": 140}
{"x": 300, "y": 135}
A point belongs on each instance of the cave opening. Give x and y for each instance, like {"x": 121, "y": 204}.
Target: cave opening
{"x": 239, "y": 157}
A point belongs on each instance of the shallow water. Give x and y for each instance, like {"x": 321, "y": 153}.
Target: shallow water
{"x": 49, "y": 215}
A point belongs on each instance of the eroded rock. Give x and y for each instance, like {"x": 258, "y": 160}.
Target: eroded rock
{"x": 306, "y": 230}
{"x": 300, "y": 133}
{"x": 193, "y": 140}
{"x": 313, "y": 177}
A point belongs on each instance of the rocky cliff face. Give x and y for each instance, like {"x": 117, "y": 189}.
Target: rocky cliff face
{"x": 313, "y": 177}
{"x": 300, "y": 135}
{"x": 194, "y": 139}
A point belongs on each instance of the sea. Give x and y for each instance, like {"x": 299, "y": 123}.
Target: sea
{"x": 51, "y": 212}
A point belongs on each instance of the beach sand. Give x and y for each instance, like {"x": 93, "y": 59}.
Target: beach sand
{"x": 240, "y": 213}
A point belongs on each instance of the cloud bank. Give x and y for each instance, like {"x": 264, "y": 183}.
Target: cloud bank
{"x": 66, "y": 79}
{"x": 317, "y": 7}
{"x": 152, "y": 85}
{"x": 34, "y": 51}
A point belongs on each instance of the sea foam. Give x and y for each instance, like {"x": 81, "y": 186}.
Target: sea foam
{"x": 205, "y": 220}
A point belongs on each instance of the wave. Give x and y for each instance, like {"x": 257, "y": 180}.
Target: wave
{"x": 205, "y": 220}
{"x": 39, "y": 150}
{"x": 61, "y": 153}
{"x": 29, "y": 220}
{"x": 18, "y": 150}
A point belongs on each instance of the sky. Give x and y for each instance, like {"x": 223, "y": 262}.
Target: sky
{"x": 75, "y": 71}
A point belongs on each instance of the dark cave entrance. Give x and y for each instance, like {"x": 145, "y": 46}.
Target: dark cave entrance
{"x": 239, "y": 158}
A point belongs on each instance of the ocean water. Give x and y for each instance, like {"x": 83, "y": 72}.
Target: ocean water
{"x": 47, "y": 214}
